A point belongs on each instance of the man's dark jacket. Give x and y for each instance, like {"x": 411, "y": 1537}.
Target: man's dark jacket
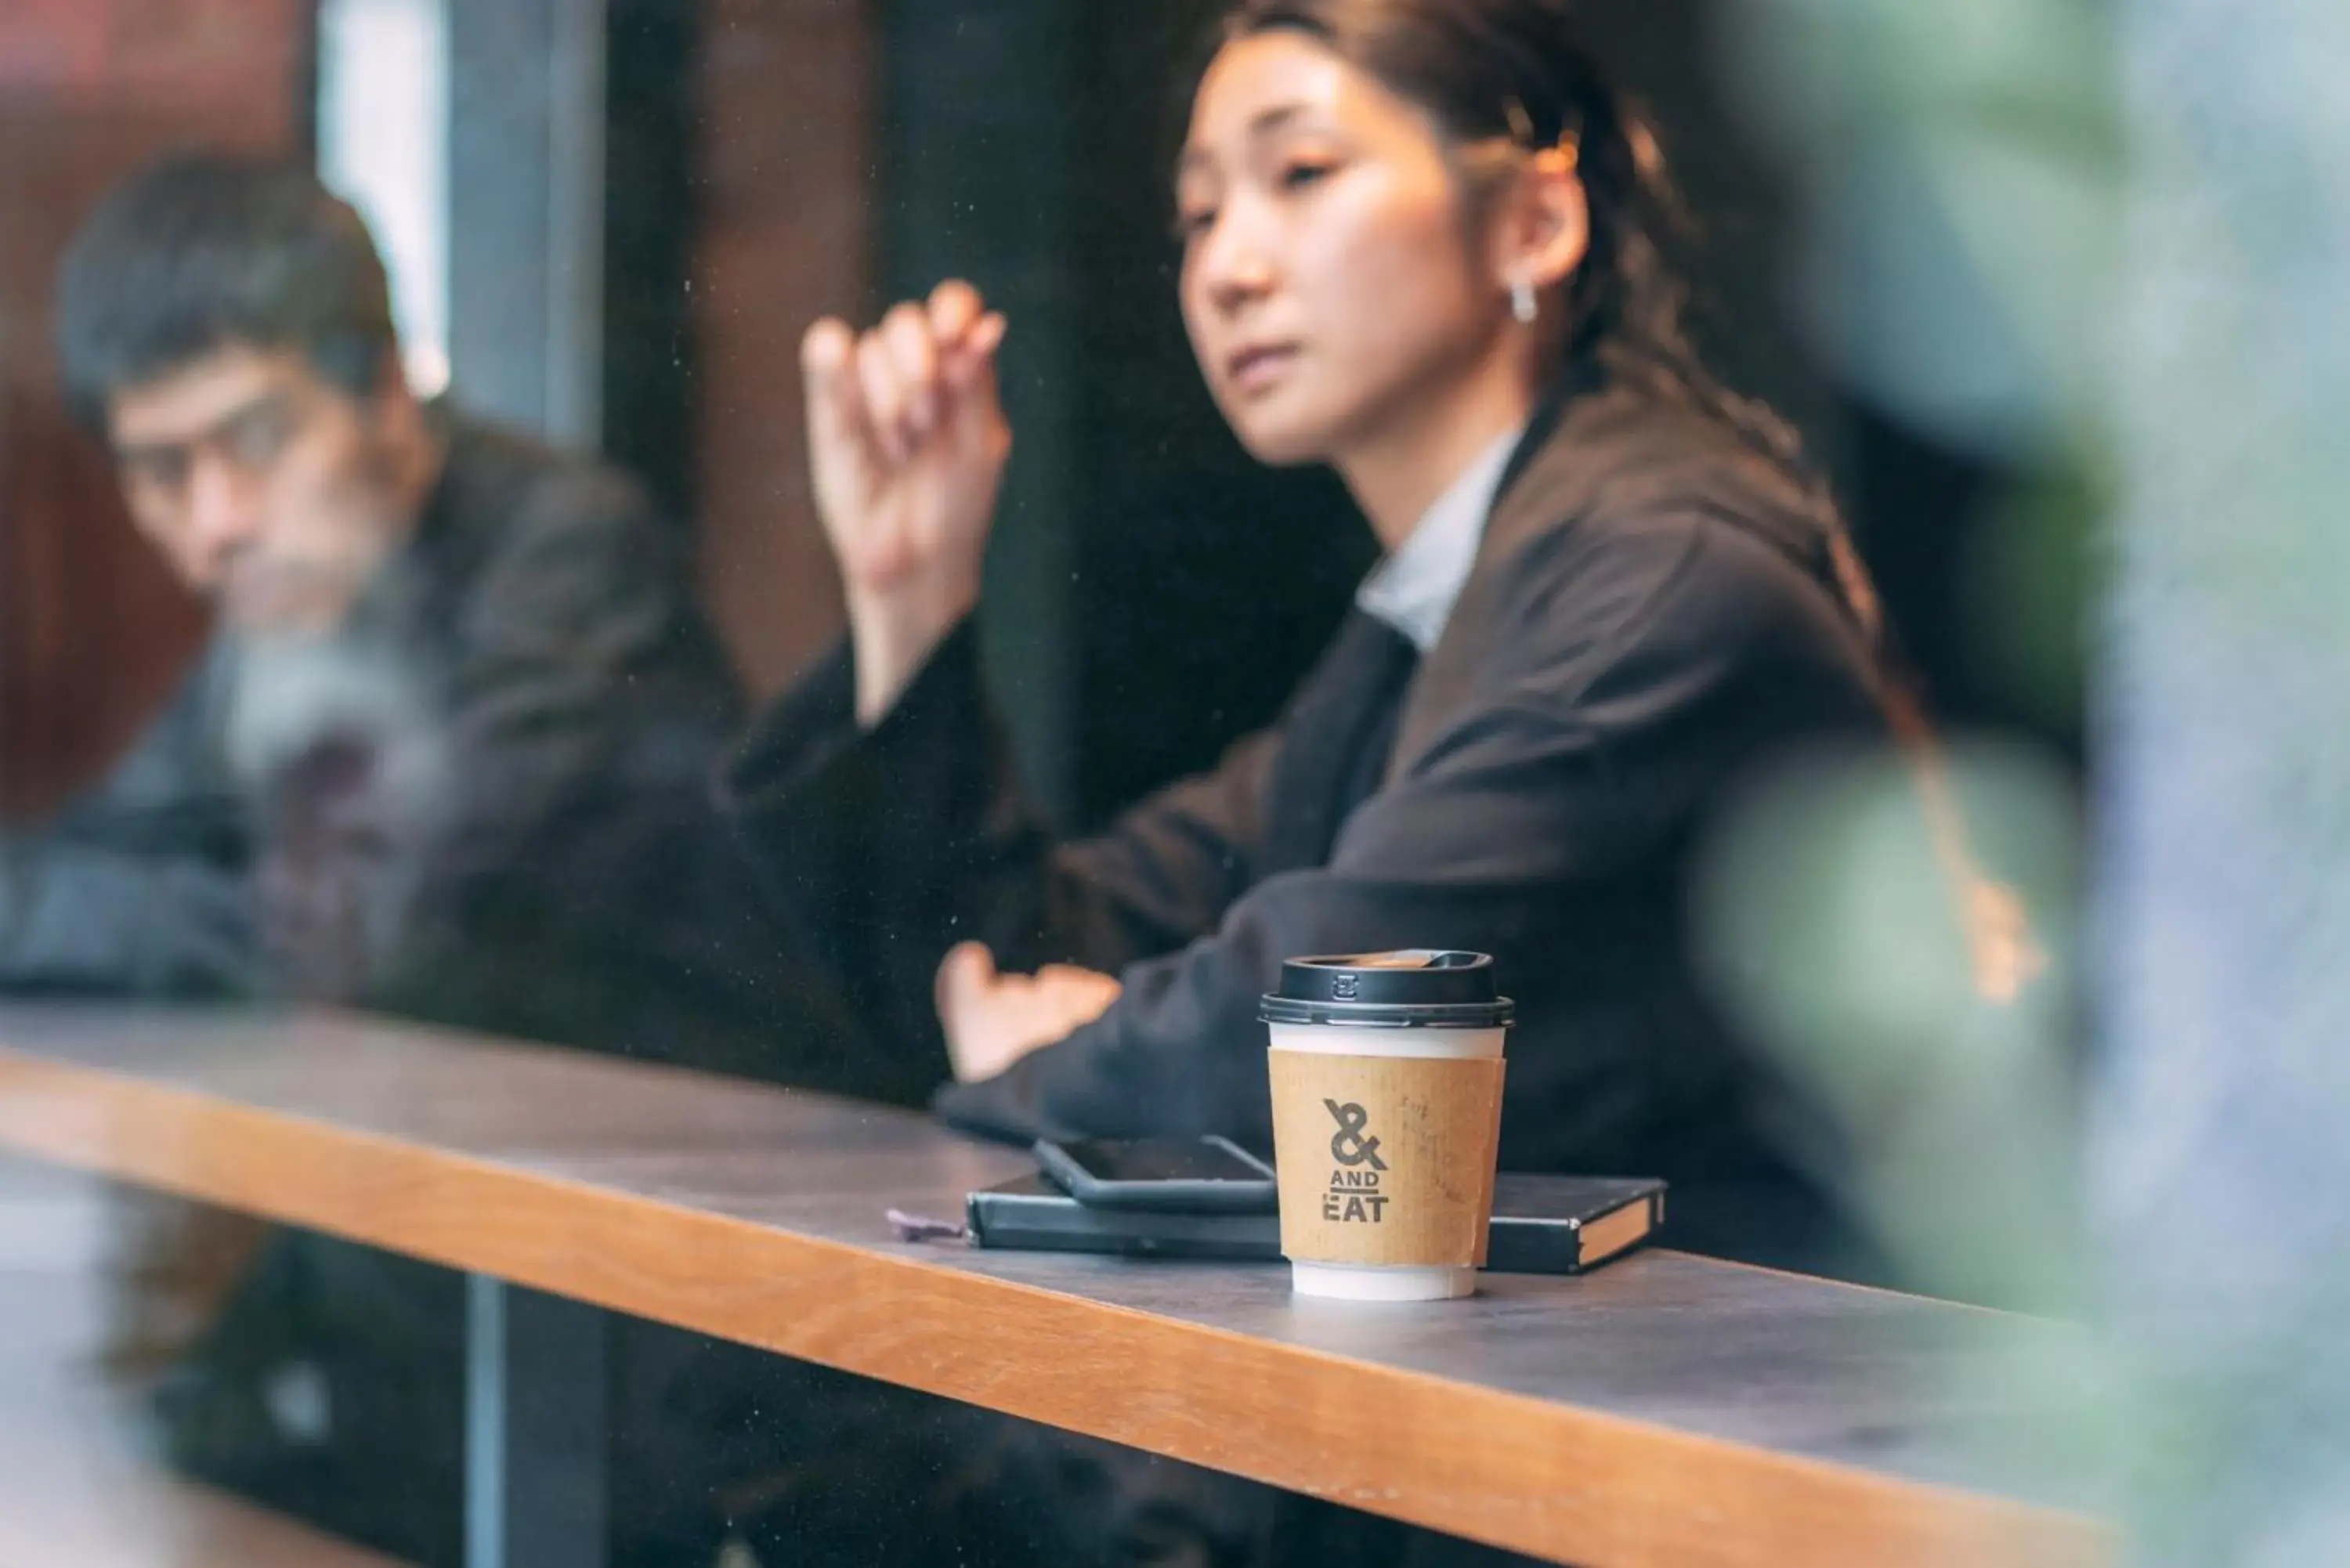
{"x": 1653, "y": 616}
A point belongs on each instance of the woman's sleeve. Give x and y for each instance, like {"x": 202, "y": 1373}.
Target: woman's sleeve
{"x": 889, "y": 847}
{"x": 1611, "y": 711}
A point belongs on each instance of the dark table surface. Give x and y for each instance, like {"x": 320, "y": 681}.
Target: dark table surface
{"x": 1664, "y": 1408}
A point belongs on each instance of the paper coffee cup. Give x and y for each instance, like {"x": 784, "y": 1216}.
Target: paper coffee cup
{"x": 1387, "y": 1120}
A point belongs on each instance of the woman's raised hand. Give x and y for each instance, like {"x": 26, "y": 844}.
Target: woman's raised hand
{"x": 907, "y": 442}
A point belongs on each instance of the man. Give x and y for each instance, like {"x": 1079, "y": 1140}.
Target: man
{"x": 446, "y": 756}
{"x": 460, "y": 708}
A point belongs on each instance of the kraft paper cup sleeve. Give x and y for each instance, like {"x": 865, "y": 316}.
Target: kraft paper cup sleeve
{"x": 1384, "y": 1160}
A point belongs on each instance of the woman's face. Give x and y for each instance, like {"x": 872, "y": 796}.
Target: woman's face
{"x": 1328, "y": 283}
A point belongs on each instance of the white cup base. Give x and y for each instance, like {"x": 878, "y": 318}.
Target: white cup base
{"x": 1381, "y": 1281}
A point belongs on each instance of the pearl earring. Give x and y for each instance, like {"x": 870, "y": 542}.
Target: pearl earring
{"x": 1522, "y": 301}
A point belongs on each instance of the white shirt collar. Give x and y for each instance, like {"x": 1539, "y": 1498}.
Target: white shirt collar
{"x": 1414, "y": 589}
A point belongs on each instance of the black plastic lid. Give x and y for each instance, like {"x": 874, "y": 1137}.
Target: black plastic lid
{"x": 1417, "y": 988}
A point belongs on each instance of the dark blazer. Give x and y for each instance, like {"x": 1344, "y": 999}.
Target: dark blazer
{"x": 1653, "y": 616}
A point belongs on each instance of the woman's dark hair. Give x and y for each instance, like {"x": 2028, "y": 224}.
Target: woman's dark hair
{"x": 1516, "y": 73}
{"x": 200, "y": 252}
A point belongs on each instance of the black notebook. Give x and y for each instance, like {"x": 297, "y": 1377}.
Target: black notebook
{"x": 1542, "y": 1224}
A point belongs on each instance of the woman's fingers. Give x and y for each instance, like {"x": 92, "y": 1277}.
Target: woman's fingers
{"x": 954, "y": 309}
{"x": 1077, "y": 979}
{"x": 913, "y": 370}
{"x": 975, "y": 409}
{"x": 824, "y": 348}
{"x": 970, "y": 360}
{"x": 835, "y": 404}
{"x": 885, "y": 395}
{"x": 966, "y": 331}
{"x": 926, "y": 369}
{"x": 980, "y": 1041}
{"x": 965, "y": 976}
{"x": 905, "y": 335}
{"x": 1075, "y": 996}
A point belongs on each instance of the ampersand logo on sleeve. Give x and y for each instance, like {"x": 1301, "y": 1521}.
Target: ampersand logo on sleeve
{"x": 1354, "y": 1196}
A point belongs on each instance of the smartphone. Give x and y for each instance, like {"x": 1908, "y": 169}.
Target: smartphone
{"x": 1189, "y": 1176}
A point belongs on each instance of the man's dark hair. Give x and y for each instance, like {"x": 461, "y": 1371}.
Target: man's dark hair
{"x": 202, "y": 252}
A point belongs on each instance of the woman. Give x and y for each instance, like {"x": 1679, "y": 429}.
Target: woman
{"x": 1418, "y": 245}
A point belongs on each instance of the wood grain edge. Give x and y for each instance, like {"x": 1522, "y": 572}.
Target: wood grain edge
{"x": 1549, "y": 1480}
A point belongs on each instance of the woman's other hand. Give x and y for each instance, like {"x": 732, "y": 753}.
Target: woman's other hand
{"x": 992, "y": 1020}
{"x": 907, "y": 442}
